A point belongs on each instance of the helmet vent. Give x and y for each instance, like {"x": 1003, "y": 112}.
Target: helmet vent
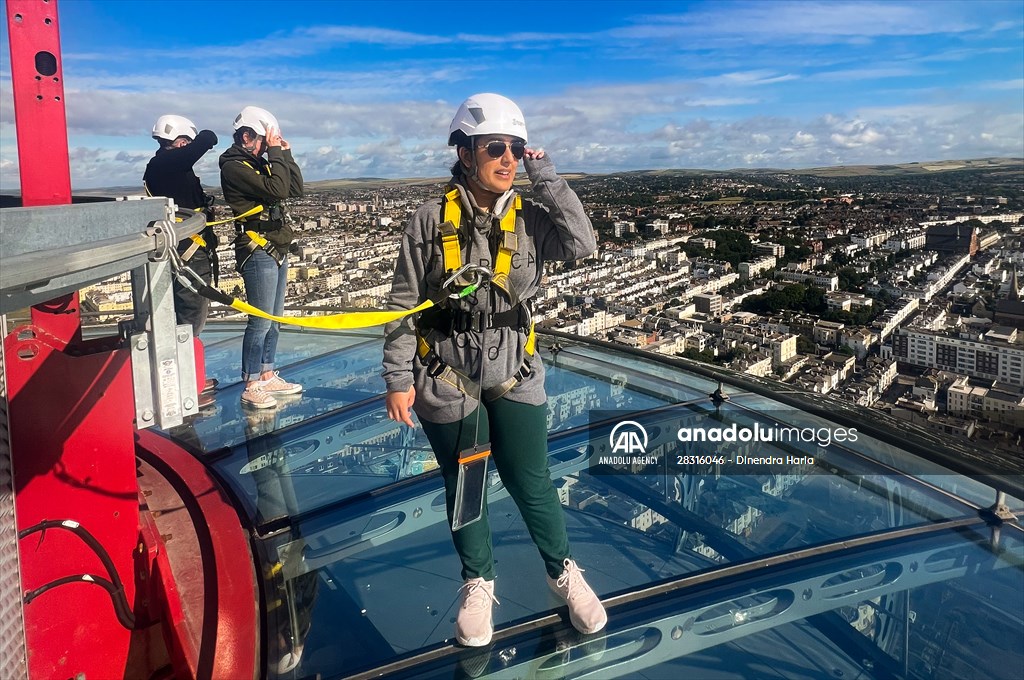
{"x": 478, "y": 114}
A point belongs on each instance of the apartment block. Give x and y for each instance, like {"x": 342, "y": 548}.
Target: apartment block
{"x": 997, "y": 354}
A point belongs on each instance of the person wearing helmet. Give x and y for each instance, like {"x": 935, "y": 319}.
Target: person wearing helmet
{"x": 259, "y": 170}
{"x": 170, "y": 173}
{"x": 470, "y": 365}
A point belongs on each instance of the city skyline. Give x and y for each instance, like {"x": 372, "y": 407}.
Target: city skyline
{"x": 638, "y": 86}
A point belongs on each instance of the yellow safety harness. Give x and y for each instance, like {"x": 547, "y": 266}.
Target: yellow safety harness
{"x": 453, "y": 266}
{"x": 256, "y": 241}
{"x": 451, "y": 261}
{"x": 451, "y": 250}
{"x": 197, "y": 240}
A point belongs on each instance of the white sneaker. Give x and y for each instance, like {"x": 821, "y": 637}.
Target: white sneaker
{"x": 473, "y": 626}
{"x": 257, "y": 397}
{"x": 586, "y": 612}
{"x": 278, "y": 385}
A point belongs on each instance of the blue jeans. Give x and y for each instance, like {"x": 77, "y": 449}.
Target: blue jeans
{"x": 265, "y": 285}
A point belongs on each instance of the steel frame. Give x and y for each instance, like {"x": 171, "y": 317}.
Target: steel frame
{"x": 70, "y": 401}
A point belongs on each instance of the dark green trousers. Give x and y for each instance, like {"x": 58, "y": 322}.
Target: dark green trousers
{"x": 518, "y": 434}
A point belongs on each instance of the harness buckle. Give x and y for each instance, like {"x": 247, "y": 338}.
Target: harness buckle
{"x": 436, "y": 367}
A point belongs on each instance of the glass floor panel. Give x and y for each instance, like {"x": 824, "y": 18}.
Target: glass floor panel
{"x": 348, "y": 519}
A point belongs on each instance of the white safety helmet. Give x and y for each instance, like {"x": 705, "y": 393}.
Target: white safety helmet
{"x": 170, "y": 127}
{"x": 488, "y": 114}
{"x": 260, "y": 120}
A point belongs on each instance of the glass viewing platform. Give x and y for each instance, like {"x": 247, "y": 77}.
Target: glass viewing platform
{"x": 882, "y": 558}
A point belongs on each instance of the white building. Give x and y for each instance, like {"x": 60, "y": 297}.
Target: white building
{"x": 749, "y": 270}
{"x": 995, "y": 355}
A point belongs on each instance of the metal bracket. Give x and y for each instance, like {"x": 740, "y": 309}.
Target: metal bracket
{"x": 53, "y": 250}
{"x": 163, "y": 356}
{"x": 998, "y": 512}
{"x": 163, "y": 234}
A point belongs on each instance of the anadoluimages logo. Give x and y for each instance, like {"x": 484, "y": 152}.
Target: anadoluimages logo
{"x": 628, "y": 437}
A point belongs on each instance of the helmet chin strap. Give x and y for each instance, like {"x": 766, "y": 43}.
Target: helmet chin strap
{"x": 474, "y": 166}
{"x": 253, "y": 146}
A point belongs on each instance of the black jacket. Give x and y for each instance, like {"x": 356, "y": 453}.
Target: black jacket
{"x": 248, "y": 181}
{"x": 169, "y": 173}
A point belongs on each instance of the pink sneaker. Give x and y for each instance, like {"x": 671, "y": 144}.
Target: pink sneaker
{"x": 278, "y": 385}
{"x": 473, "y": 626}
{"x": 257, "y": 397}
{"x": 586, "y": 612}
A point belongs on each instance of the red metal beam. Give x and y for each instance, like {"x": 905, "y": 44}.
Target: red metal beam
{"x": 73, "y": 459}
{"x": 70, "y": 407}
{"x": 37, "y": 80}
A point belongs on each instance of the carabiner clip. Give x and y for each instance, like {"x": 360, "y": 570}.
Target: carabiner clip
{"x": 479, "y": 273}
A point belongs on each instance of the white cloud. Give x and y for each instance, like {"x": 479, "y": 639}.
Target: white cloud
{"x": 687, "y": 98}
{"x": 745, "y": 78}
{"x": 600, "y": 129}
{"x": 806, "y": 22}
{"x": 1016, "y": 85}
{"x": 802, "y": 138}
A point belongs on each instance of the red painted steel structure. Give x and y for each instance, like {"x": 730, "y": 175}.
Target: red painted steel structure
{"x": 73, "y": 442}
{"x": 72, "y": 450}
{"x": 226, "y": 643}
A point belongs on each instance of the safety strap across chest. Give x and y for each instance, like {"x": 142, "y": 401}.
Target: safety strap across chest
{"x": 451, "y": 250}
{"x": 255, "y": 169}
{"x": 451, "y": 253}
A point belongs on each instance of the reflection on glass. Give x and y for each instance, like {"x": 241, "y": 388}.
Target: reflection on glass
{"x": 941, "y": 606}
{"x": 353, "y": 530}
{"x": 292, "y": 589}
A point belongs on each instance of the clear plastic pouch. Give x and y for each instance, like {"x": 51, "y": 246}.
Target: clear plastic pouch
{"x": 470, "y": 490}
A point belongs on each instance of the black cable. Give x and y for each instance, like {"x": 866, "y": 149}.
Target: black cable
{"x": 124, "y": 616}
{"x": 114, "y": 586}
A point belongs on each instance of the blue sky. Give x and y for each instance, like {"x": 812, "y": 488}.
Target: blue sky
{"x": 368, "y": 88}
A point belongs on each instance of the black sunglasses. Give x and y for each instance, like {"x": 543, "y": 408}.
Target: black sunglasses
{"x": 496, "y": 149}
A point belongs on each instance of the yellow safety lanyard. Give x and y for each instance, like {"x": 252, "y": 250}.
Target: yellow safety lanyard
{"x": 345, "y": 321}
{"x": 355, "y": 320}
{"x": 197, "y": 238}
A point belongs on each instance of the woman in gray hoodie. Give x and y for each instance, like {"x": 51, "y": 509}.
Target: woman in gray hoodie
{"x": 478, "y": 351}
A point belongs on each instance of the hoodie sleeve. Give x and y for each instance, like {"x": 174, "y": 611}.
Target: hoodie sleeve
{"x": 408, "y": 289}
{"x": 564, "y": 231}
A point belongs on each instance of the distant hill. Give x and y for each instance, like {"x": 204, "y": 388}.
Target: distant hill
{"x": 896, "y": 170}
{"x": 902, "y": 169}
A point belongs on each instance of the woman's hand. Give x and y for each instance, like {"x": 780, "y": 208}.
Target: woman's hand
{"x": 533, "y": 154}
{"x": 399, "y": 406}
{"x": 273, "y": 137}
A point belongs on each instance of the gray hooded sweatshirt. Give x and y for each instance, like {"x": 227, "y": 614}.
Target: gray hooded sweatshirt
{"x": 554, "y": 229}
